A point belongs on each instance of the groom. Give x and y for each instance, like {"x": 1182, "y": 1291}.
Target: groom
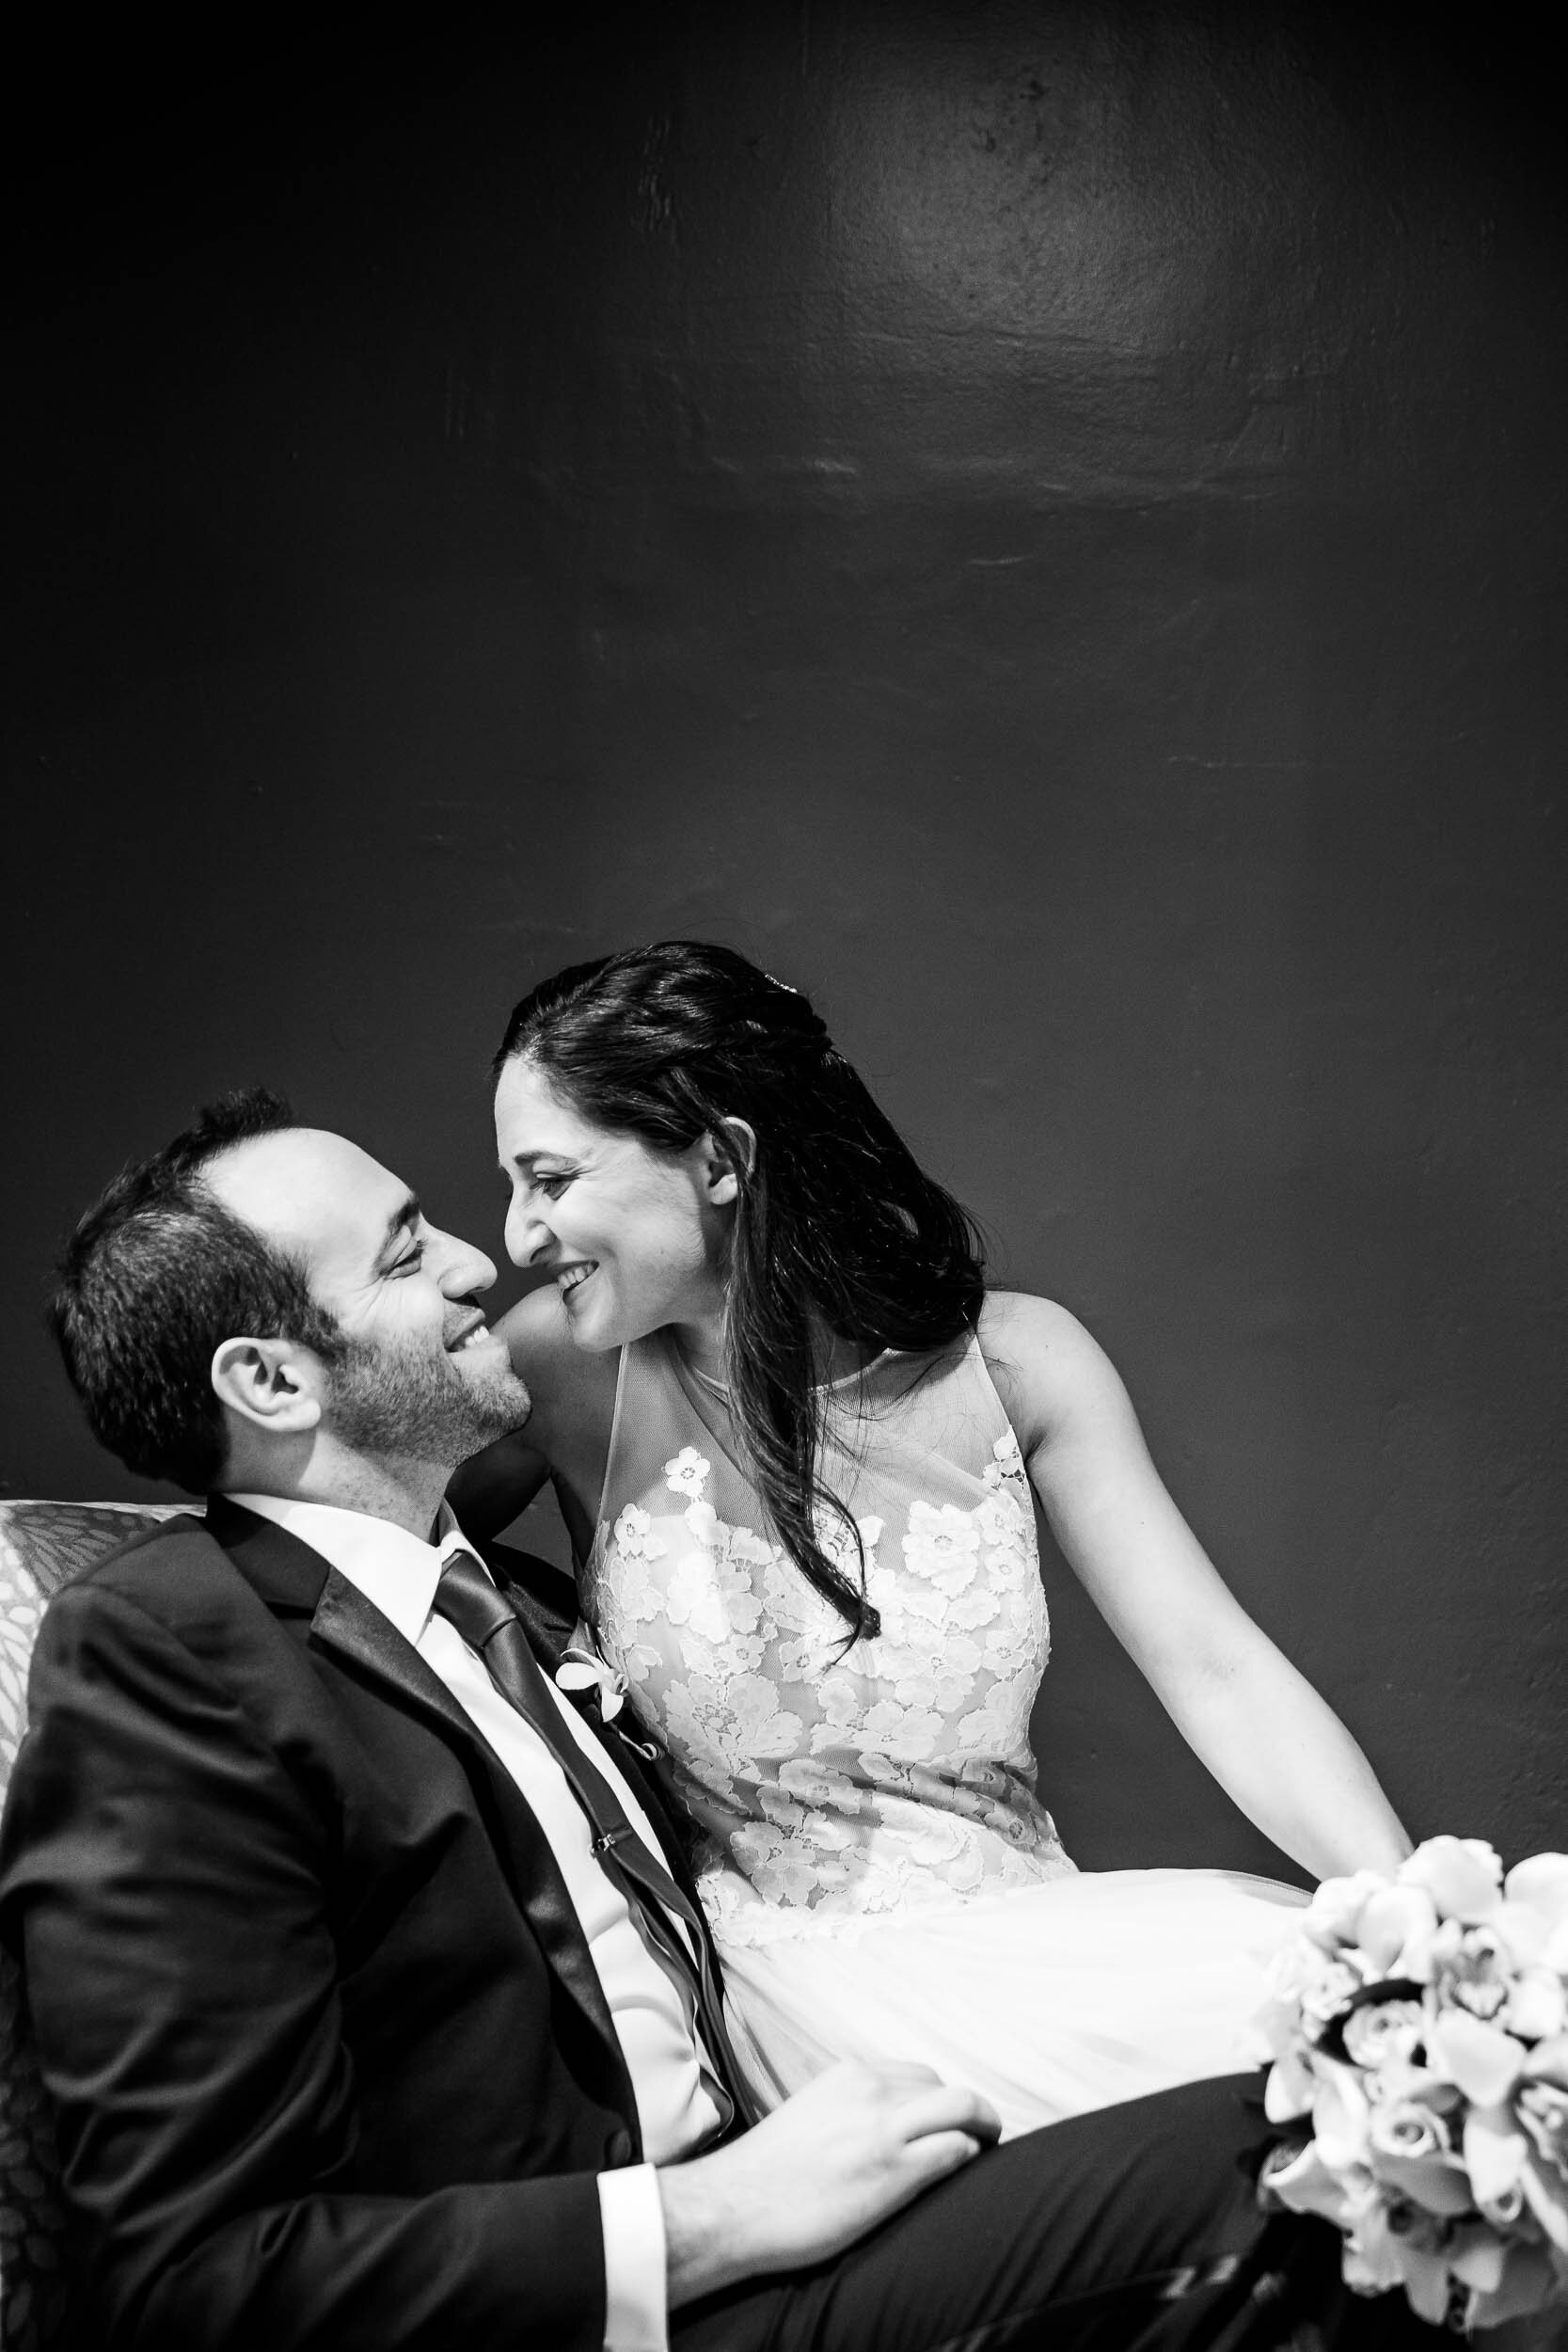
{"x": 367, "y": 1975}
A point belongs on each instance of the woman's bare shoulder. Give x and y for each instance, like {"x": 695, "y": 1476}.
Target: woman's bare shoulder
{"x": 1044, "y": 1363}
{"x": 1035, "y": 1330}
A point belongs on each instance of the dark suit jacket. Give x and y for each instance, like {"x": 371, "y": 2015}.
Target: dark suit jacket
{"x": 332, "y": 2063}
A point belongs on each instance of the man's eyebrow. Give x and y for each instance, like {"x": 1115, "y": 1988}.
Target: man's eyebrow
{"x": 403, "y": 1217}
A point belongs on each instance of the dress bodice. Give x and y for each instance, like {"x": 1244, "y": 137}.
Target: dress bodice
{"x": 832, "y": 1784}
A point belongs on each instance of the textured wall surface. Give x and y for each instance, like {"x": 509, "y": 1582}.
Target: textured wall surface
{"x": 1045, "y": 524}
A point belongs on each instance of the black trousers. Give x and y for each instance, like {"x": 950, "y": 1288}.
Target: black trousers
{"x": 1136, "y": 2227}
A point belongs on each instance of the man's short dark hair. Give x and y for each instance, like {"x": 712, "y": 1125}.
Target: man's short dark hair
{"x": 156, "y": 1276}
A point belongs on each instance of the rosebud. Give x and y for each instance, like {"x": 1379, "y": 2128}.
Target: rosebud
{"x": 1383, "y": 2032}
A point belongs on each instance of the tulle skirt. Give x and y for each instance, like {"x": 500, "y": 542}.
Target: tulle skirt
{"x": 1049, "y": 1999}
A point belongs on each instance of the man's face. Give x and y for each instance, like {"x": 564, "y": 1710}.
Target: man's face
{"x": 423, "y": 1379}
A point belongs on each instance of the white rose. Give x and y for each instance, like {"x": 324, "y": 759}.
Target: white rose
{"x": 1382, "y": 2030}
{"x": 1410, "y": 2148}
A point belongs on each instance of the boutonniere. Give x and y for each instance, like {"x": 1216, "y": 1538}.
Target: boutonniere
{"x": 585, "y": 1677}
{"x": 582, "y": 1671}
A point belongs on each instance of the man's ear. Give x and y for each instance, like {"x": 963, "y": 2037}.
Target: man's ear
{"x": 722, "y": 1184}
{"x": 272, "y": 1384}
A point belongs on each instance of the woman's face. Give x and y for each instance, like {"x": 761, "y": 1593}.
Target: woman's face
{"x": 633, "y": 1238}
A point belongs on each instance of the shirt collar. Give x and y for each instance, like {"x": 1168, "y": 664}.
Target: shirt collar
{"x": 396, "y": 1571}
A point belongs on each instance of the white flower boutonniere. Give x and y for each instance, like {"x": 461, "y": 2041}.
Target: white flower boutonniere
{"x": 583, "y": 1669}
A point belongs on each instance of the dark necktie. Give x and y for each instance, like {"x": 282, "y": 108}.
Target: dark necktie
{"x": 488, "y": 1623}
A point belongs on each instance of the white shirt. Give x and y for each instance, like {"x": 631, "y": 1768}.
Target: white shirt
{"x": 652, "y": 2015}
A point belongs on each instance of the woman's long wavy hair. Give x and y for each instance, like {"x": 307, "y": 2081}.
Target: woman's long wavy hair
{"x": 835, "y": 1224}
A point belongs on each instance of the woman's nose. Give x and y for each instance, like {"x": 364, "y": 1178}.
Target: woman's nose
{"x": 526, "y": 1234}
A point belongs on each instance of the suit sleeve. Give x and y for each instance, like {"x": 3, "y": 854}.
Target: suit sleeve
{"x": 165, "y": 1880}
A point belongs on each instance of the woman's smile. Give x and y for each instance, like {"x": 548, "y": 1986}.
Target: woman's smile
{"x": 632, "y": 1236}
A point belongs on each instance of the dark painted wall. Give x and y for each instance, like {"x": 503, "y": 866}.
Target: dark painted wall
{"x": 1043, "y": 523}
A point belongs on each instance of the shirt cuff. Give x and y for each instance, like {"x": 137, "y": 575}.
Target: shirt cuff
{"x": 631, "y": 2214}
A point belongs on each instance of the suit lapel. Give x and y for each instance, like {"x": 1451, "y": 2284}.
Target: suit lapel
{"x": 293, "y": 1580}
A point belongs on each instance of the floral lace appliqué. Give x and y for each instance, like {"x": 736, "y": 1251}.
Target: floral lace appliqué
{"x": 838, "y": 1781}
{"x": 689, "y": 1473}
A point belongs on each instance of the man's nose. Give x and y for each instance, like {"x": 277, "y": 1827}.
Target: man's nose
{"x": 463, "y": 1268}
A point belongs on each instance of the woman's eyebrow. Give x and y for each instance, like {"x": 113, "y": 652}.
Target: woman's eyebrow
{"x": 526, "y": 1162}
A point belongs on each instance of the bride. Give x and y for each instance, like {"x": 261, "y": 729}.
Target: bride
{"x": 793, "y": 1437}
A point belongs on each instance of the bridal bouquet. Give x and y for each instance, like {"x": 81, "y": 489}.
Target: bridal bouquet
{"x": 1419, "y": 2027}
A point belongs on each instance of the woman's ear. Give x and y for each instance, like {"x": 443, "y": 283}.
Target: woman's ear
{"x": 723, "y": 1181}
{"x": 272, "y": 1384}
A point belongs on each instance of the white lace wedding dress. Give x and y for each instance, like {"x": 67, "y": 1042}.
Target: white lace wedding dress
{"x": 881, "y": 1878}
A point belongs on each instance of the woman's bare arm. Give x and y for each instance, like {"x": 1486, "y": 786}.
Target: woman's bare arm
{"x": 1276, "y": 1747}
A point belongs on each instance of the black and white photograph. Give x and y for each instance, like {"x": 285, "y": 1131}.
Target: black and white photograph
{"x": 784, "y": 1514}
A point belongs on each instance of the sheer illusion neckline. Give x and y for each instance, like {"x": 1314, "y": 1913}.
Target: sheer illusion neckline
{"x": 719, "y": 1388}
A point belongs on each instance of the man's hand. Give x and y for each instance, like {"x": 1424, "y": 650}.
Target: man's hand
{"x": 817, "y": 2174}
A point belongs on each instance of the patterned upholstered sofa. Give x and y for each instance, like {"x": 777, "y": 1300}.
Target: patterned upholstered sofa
{"x": 42, "y": 1546}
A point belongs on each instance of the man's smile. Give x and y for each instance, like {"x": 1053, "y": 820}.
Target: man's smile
{"x": 471, "y": 1334}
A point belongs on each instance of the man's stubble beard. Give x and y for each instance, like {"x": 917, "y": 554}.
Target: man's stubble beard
{"x": 401, "y": 1403}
